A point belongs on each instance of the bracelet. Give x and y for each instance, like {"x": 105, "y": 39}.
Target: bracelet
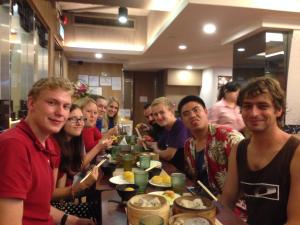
{"x": 64, "y": 219}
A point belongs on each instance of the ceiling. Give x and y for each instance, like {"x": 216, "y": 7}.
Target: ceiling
{"x": 181, "y": 22}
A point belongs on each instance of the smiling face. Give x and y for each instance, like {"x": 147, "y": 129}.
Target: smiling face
{"x": 112, "y": 109}
{"x": 194, "y": 116}
{"x": 163, "y": 115}
{"x": 90, "y": 112}
{"x": 259, "y": 113}
{"x": 74, "y": 124}
{"x": 102, "y": 107}
{"x": 49, "y": 111}
{"x": 149, "y": 116}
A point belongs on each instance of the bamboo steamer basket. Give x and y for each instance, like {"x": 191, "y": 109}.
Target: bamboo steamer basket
{"x": 184, "y": 217}
{"x": 209, "y": 212}
{"x": 135, "y": 213}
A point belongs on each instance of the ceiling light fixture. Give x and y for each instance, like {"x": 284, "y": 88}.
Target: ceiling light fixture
{"x": 241, "y": 49}
{"x": 274, "y": 54}
{"x": 278, "y": 37}
{"x": 189, "y": 67}
{"x": 182, "y": 47}
{"x": 98, "y": 55}
{"x": 123, "y": 15}
{"x": 209, "y": 28}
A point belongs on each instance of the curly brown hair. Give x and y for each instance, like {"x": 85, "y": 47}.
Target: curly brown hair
{"x": 262, "y": 85}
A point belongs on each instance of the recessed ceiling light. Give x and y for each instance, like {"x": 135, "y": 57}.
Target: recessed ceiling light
{"x": 209, "y": 28}
{"x": 241, "y": 49}
{"x": 189, "y": 67}
{"x": 98, "y": 55}
{"x": 182, "y": 47}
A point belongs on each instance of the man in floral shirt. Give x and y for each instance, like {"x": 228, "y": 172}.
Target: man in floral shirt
{"x": 207, "y": 151}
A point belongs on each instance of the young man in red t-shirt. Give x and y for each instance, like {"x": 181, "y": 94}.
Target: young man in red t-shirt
{"x": 26, "y": 153}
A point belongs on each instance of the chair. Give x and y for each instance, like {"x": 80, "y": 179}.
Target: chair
{"x": 86, "y": 204}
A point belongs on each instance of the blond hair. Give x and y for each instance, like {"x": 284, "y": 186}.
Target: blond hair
{"x": 116, "y": 118}
{"x": 82, "y": 102}
{"x": 50, "y": 83}
{"x": 163, "y": 100}
{"x": 113, "y": 99}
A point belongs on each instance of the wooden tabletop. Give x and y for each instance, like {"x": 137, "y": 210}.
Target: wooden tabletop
{"x": 114, "y": 213}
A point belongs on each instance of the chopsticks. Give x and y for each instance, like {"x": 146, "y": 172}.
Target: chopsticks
{"x": 97, "y": 166}
{"x": 150, "y": 168}
{"x": 100, "y": 163}
{"x": 207, "y": 191}
{"x": 140, "y": 136}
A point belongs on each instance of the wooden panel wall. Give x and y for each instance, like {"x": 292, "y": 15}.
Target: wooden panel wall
{"x": 47, "y": 13}
{"x": 144, "y": 85}
{"x": 112, "y": 70}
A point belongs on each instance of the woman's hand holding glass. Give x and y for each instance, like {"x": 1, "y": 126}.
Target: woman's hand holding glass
{"x": 105, "y": 143}
{"x": 113, "y": 131}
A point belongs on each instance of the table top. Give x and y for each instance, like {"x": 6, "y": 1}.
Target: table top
{"x": 114, "y": 213}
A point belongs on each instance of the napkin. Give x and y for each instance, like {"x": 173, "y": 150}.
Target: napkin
{"x": 123, "y": 141}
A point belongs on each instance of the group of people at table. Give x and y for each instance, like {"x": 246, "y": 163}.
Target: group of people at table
{"x": 42, "y": 156}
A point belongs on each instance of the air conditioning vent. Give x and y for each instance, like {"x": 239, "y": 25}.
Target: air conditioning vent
{"x": 102, "y": 22}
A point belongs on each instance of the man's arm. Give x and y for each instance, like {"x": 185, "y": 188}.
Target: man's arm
{"x": 293, "y": 208}
{"x": 166, "y": 154}
{"x": 231, "y": 189}
{"x": 11, "y": 211}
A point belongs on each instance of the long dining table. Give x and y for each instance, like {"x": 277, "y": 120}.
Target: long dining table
{"x": 113, "y": 213}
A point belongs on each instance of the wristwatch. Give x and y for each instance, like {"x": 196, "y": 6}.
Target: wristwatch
{"x": 64, "y": 219}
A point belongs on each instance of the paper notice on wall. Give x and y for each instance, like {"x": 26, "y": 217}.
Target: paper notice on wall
{"x": 95, "y": 90}
{"x": 125, "y": 113}
{"x": 144, "y": 99}
{"x": 84, "y": 78}
{"x": 105, "y": 81}
{"x": 116, "y": 84}
{"x": 93, "y": 81}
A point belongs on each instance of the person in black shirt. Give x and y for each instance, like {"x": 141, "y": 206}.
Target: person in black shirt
{"x": 265, "y": 169}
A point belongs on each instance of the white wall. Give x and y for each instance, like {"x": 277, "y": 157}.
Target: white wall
{"x": 292, "y": 98}
{"x": 184, "y": 77}
{"x": 209, "y": 90}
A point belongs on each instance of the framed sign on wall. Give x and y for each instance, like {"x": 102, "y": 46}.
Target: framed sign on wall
{"x": 222, "y": 80}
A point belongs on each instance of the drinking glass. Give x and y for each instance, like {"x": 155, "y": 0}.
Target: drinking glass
{"x": 154, "y": 156}
{"x": 141, "y": 179}
{"x": 127, "y": 162}
{"x": 133, "y": 139}
{"x": 145, "y": 161}
{"x": 128, "y": 139}
{"x": 178, "y": 182}
{"x": 115, "y": 150}
{"x": 138, "y": 148}
{"x": 151, "y": 220}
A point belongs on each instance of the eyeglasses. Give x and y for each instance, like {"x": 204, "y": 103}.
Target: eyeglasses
{"x": 77, "y": 120}
{"x": 196, "y": 110}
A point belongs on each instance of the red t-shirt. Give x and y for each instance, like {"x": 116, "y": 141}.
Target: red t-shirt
{"x": 26, "y": 173}
{"x": 91, "y": 137}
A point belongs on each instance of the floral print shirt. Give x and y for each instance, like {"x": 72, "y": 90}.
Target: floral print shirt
{"x": 219, "y": 143}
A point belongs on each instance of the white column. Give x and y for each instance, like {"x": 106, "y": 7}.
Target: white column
{"x": 293, "y": 82}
